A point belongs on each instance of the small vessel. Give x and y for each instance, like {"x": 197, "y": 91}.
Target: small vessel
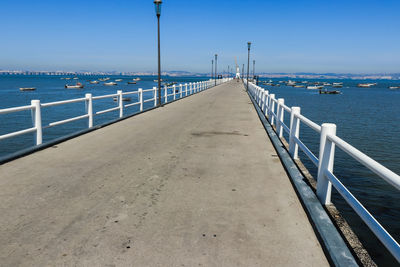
{"x": 366, "y": 85}
{"x": 110, "y": 83}
{"x": 337, "y": 85}
{"x": 156, "y": 81}
{"x": 314, "y": 87}
{"x": 326, "y": 84}
{"x": 118, "y": 80}
{"x": 394, "y": 87}
{"x": 104, "y": 79}
{"x": 326, "y": 92}
{"x": 123, "y": 99}
{"x": 136, "y": 79}
{"x": 291, "y": 83}
{"x": 94, "y": 82}
{"x": 27, "y": 88}
{"x": 76, "y": 78}
{"x": 298, "y": 86}
{"x": 68, "y": 78}
{"x": 129, "y": 82}
{"x": 76, "y": 86}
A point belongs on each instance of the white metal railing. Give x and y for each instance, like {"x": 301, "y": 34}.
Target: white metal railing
{"x": 36, "y": 106}
{"x": 274, "y": 110}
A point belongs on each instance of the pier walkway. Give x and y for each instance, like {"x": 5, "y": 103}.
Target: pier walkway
{"x": 195, "y": 183}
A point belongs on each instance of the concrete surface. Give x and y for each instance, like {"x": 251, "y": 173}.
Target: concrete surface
{"x": 196, "y": 183}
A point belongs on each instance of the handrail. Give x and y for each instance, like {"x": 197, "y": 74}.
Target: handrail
{"x": 35, "y": 107}
{"x": 327, "y": 142}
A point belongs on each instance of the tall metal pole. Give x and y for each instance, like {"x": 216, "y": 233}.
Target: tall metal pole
{"x": 243, "y": 72}
{"x": 254, "y": 68}
{"x": 248, "y": 63}
{"x": 228, "y": 71}
{"x": 216, "y": 69}
{"x": 159, "y": 63}
{"x": 212, "y": 69}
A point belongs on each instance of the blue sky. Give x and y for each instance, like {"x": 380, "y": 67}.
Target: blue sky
{"x": 288, "y": 36}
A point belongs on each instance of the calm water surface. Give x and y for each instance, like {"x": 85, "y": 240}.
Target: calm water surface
{"x": 367, "y": 118}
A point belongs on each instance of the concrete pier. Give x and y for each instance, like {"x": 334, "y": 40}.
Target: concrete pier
{"x": 195, "y": 183}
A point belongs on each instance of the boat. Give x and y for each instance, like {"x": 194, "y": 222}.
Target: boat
{"x": 123, "y": 99}
{"x": 337, "y": 85}
{"x": 118, "y": 80}
{"x": 170, "y": 84}
{"x": 326, "y": 84}
{"x": 94, "y": 82}
{"x": 298, "y": 86}
{"x": 314, "y": 87}
{"x": 136, "y": 79}
{"x": 104, "y": 79}
{"x": 76, "y": 78}
{"x": 27, "y": 88}
{"x": 291, "y": 83}
{"x": 156, "y": 81}
{"x": 129, "y": 82}
{"x": 110, "y": 83}
{"x": 366, "y": 85}
{"x": 394, "y": 87}
{"x": 326, "y": 92}
{"x": 76, "y": 86}
{"x": 68, "y": 78}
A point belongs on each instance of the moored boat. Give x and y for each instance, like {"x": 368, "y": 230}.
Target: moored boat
{"x": 110, "y": 83}
{"x": 394, "y": 87}
{"x": 94, "y": 82}
{"x": 123, "y": 99}
{"x": 337, "y": 85}
{"x": 314, "y": 87}
{"x": 366, "y": 85}
{"x": 118, "y": 80}
{"x": 136, "y": 79}
{"x": 326, "y": 92}
{"x": 27, "y": 88}
{"x": 131, "y": 82}
{"x": 76, "y": 86}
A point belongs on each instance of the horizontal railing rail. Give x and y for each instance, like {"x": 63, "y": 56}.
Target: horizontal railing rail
{"x": 36, "y": 106}
{"x": 274, "y": 110}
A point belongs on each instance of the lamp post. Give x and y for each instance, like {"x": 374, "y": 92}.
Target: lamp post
{"x": 248, "y": 63}
{"x": 254, "y": 68}
{"x": 216, "y": 69}
{"x": 212, "y": 69}
{"x": 157, "y": 4}
{"x": 242, "y": 72}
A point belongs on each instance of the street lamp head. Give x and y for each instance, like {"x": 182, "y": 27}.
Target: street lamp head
{"x": 157, "y": 4}
{"x": 248, "y": 45}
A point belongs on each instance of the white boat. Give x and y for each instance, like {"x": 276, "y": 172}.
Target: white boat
{"x": 94, "y": 82}
{"x": 118, "y": 80}
{"x": 136, "y": 79}
{"x": 156, "y": 81}
{"x": 76, "y": 78}
{"x": 76, "y": 86}
{"x": 110, "y": 83}
{"x": 291, "y": 83}
{"x": 394, "y": 87}
{"x": 27, "y": 88}
{"x": 366, "y": 85}
{"x": 314, "y": 87}
{"x": 337, "y": 85}
{"x": 298, "y": 86}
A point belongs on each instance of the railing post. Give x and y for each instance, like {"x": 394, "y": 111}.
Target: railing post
{"x": 190, "y": 88}
{"x": 180, "y": 89}
{"x": 37, "y": 121}
{"x": 262, "y": 99}
{"x": 294, "y": 132}
{"x": 155, "y": 96}
{"x": 141, "y": 99}
{"x": 267, "y": 102}
{"x": 259, "y": 95}
{"x": 166, "y": 95}
{"x": 280, "y": 115}
{"x": 89, "y": 109}
{"x": 120, "y": 103}
{"x": 186, "y": 90}
{"x": 271, "y": 110}
{"x": 174, "y": 88}
{"x": 325, "y": 162}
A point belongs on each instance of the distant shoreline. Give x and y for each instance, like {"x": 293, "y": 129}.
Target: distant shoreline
{"x": 343, "y": 76}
